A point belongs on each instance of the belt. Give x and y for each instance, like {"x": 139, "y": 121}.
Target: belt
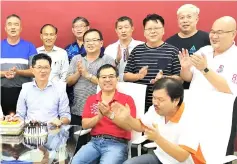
{"x": 105, "y": 136}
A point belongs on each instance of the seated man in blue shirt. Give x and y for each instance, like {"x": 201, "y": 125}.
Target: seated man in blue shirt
{"x": 43, "y": 100}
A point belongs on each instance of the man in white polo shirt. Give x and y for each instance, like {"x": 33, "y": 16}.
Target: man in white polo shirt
{"x": 168, "y": 125}
{"x": 121, "y": 49}
{"x": 214, "y": 67}
{"x": 60, "y": 64}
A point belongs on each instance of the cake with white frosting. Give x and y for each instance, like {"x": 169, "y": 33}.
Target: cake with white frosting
{"x": 35, "y": 134}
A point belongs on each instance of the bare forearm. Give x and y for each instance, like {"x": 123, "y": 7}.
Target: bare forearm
{"x": 135, "y": 124}
{"x": 218, "y": 82}
{"x": 131, "y": 77}
{"x": 186, "y": 75}
{"x": 25, "y": 73}
{"x": 88, "y": 123}
{"x": 121, "y": 123}
{"x": 72, "y": 79}
{"x": 173, "y": 150}
{"x": 65, "y": 120}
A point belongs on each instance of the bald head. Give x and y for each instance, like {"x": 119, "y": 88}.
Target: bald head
{"x": 223, "y": 33}
{"x": 227, "y": 21}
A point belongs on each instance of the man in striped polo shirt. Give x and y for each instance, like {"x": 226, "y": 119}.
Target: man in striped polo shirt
{"x": 15, "y": 56}
{"x": 146, "y": 60}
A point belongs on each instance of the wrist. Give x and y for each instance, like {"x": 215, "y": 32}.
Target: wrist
{"x": 116, "y": 62}
{"x": 138, "y": 76}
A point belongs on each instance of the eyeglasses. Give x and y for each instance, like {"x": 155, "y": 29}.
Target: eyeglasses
{"x": 220, "y": 32}
{"x": 42, "y": 68}
{"x": 79, "y": 26}
{"x": 104, "y": 77}
{"x": 92, "y": 41}
{"x": 154, "y": 29}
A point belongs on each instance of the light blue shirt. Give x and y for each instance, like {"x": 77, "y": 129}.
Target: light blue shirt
{"x": 43, "y": 105}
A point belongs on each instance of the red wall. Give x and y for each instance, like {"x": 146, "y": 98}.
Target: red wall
{"x": 102, "y": 15}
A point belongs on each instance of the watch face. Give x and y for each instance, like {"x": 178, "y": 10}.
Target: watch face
{"x": 206, "y": 70}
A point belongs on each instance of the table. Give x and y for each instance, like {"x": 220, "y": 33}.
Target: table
{"x": 60, "y": 147}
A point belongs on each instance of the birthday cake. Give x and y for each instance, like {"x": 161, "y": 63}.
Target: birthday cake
{"x": 35, "y": 134}
{"x": 11, "y": 127}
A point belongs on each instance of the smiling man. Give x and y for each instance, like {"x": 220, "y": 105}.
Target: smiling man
{"x": 168, "y": 125}
{"x": 15, "y": 56}
{"x": 189, "y": 37}
{"x": 109, "y": 134}
{"x": 43, "y": 100}
{"x": 121, "y": 49}
{"x": 147, "y": 60}
{"x": 214, "y": 68}
{"x": 82, "y": 72}
{"x": 48, "y": 35}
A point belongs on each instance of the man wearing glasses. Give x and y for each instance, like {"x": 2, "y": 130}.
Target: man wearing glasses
{"x": 82, "y": 72}
{"x": 189, "y": 37}
{"x": 43, "y": 100}
{"x": 147, "y": 60}
{"x": 214, "y": 67}
{"x": 48, "y": 35}
{"x": 110, "y": 134}
{"x": 79, "y": 26}
{"x": 121, "y": 49}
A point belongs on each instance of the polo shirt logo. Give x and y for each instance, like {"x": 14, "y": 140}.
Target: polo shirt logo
{"x": 220, "y": 69}
{"x": 234, "y": 78}
{"x": 192, "y": 50}
{"x": 94, "y": 108}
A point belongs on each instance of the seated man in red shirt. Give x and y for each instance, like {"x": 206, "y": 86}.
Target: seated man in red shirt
{"x": 110, "y": 134}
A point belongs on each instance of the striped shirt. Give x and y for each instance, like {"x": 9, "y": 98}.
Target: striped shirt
{"x": 164, "y": 57}
{"x": 84, "y": 88}
{"x": 17, "y": 56}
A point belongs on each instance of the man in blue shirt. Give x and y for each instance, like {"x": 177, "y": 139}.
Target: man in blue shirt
{"x": 15, "y": 57}
{"x": 43, "y": 100}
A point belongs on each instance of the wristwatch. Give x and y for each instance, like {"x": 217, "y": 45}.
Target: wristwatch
{"x": 112, "y": 115}
{"x": 205, "y": 71}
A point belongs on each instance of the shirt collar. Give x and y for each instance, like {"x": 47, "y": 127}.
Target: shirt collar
{"x": 130, "y": 44}
{"x": 115, "y": 98}
{"x": 42, "y": 48}
{"x": 178, "y": 114}
{"x": 48, "y": 85}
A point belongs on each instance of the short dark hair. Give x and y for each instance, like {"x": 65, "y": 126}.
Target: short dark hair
{"x": 93, "y": 30}
{"x": 124, "y": 18}
{"x": 153, "y": 17}
{"x": 173, "y": 87}
{"x": 55, "y": 28}
{"x": 41, "y": 56}
{"x": 14, "y": 15}
{"x": 81, "y": 19}
{"x": 106, "y": 66}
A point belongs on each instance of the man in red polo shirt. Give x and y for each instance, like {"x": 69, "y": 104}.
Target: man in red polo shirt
{"x": 110, "y": 134}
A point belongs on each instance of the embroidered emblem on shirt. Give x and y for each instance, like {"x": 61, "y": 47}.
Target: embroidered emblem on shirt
{"x": 234, "y": 78}
{"x": 220, "y": 69}
{"x": 94, "y": 108}
{"x": 192, "y": 50}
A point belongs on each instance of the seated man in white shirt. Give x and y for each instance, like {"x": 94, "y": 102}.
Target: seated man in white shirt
{"x": 43, "y": 100}
{"x": 121, "y": 49}
{"x": 214, "y": 67}
{"x": 166, "y": 123}
{"x": 60, "y": 64}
